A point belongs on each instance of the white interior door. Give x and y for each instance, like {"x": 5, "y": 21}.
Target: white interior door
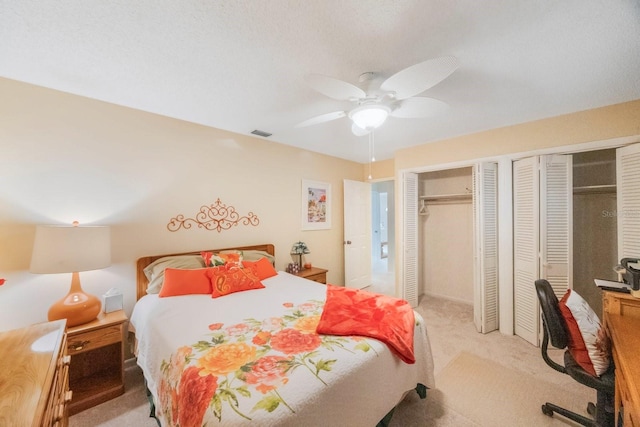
{"x": 357, "y": 234}
{"x": 410, "y": 240}
{"x": 542, "y": 234}
{"x": 628, "y": 201}
{"x": 556, "y": 222}
{"x": 485, "y": 211}
{"x": 526, "y": 194}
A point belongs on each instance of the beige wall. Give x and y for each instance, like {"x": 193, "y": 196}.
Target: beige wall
{"x": 66, "y": 158}
{"x": 380, "y": 170}
{"x": 592, "y": 125}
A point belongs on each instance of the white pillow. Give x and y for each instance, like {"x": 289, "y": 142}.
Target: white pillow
{"x": 588, "y": 341}
{"x": 155, "y": 270}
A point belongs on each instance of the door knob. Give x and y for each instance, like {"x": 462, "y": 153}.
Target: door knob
{"x": 348, "y": 242}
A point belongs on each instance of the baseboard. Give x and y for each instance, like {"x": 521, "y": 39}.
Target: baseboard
{"x": 448, "y": 298}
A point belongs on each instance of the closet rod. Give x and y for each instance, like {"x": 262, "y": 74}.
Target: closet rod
{"x": 446, "y": 197}
{"x": 595, "y": 189}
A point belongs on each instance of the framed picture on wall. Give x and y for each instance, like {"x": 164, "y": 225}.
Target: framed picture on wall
{"x": 316, "y": 205}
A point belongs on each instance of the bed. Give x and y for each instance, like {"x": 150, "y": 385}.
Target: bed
{"x": 254, "y": 357}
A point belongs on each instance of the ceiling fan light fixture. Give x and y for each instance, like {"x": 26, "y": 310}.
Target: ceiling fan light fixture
{"x": 369, "y": 117}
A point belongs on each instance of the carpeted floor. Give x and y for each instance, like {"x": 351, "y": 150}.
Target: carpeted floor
{"x": 470, "y": 385}
{"x": 481, "y": 380}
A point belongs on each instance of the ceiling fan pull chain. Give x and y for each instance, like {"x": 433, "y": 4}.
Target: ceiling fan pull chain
{"x": 370, "y": 150}
{"x": 373, "y": 147}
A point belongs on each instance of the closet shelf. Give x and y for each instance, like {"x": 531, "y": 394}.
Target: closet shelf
{"x": 595, "y": 189}
{"x": 447, "y": 197}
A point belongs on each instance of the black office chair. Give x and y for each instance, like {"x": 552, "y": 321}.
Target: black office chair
{"x": 555, "y": 330}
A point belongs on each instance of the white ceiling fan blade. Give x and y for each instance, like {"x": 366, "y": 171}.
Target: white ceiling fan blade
{"x": 419, "y": 107}
{"x": 420, "y": 77}
{"x": 358, "y": 131}
{"x": 334, "y": 88}
{"x": 322, "y": 118}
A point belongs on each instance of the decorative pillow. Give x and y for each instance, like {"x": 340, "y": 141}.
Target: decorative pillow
{"x": 185, "y": 282}
{"x": 232, "y": 257}
{"x": 211, "y": 260}
{"x": 228, "y": 279}
{"x": 155, "y": 270}
{"x": 263, "y": 266}
{"x": 588, "y": 342}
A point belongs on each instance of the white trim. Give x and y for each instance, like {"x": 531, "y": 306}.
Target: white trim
{"x": 505, "y": 246}
{"x": 374, "y": 180}
{"x": 449, "y": 298}
{"x": 579, "y": 148}
{"x": 561, "y": 149}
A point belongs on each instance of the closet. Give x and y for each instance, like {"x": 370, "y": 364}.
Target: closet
{"x": 565, "y": 226}
{"x": 446, "y": 234}
{"x": 595, "y": 242}
{"x": 458, "y": 240}
{"x": 568, "y": 218}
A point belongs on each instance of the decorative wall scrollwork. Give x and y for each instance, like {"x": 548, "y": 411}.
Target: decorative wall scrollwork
{"x": 217, "y": 216}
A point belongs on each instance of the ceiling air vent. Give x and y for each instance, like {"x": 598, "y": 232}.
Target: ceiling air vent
{"x": 261, "y": 133}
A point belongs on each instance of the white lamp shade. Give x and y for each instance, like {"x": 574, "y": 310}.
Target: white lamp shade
{"x": 369, "y": 117}
{"x": 65, "y": 249}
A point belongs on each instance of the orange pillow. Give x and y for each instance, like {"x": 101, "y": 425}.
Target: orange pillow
{"x": 231, "y": 257}
{"x": 263, "y": 266}
{"x": 228, "y": 279}
{"x": 185, "y": 282}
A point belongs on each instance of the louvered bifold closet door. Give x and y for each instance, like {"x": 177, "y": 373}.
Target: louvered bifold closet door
{"x": 525, "y": 247}
{"x": 556, "y": 222}
{"x": 485, "y": 211}
{"x": 628, "y": 201}
{"x": 410, "y": 239}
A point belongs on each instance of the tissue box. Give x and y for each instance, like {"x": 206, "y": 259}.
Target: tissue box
{"x": 111, "y": 303}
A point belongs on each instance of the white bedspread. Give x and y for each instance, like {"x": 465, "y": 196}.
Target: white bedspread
{"x": 253, "y": 358}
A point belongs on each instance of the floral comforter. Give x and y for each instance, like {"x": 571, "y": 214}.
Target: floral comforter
{"x": 254, "y": 358}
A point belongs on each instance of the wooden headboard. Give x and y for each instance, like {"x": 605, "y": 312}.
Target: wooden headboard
{"x": 141, "y": 279}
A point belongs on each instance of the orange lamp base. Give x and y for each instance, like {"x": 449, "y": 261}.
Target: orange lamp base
{"x": 77, "y": 307}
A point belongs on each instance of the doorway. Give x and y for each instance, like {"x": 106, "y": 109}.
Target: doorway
{"x": 383, "y": 238}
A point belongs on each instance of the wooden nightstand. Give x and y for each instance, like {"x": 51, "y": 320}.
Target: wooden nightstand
{"x": 316, "y": 274}
{"x": 96, "y": 373}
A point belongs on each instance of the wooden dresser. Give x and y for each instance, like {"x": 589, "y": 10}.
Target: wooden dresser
{"x": 34, "y": 378}
{"x": 622, "y": 320}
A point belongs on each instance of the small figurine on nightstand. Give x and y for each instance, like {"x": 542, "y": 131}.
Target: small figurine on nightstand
{"x": 293, "y": 268}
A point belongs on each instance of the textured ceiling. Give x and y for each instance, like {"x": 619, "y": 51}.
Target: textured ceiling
{"x": 239, "y": 65}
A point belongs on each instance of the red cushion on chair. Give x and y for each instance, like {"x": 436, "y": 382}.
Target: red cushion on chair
{"x": 588, "y": 341}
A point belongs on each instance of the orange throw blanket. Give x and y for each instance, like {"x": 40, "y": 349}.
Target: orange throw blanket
{"x": 356, "y": 312}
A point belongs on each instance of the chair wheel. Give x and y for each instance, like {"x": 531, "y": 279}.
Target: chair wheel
{"x": 591, "y": 409}
{"x": 547, "y": 411}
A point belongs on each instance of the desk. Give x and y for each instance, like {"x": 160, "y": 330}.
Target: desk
{"x": 622, "y": 320}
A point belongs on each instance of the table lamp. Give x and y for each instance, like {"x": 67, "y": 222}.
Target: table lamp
{"x": 300, "y": 248}
{"x": 64, "y": 249}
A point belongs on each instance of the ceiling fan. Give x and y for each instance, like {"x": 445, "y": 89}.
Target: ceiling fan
{"x": 395, "y": 97}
